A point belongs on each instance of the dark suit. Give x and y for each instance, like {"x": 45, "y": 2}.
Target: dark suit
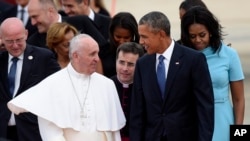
{"x": 187, "y": 111}
{"x": 82, "y": 23}
{"x": 102, "y": 22}
{"x": 38, "y": 63}
{"x": 4, "y": 6}
{"x": 12, "y": 12}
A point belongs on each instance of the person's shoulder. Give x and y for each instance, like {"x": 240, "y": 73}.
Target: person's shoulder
{"x": 6, "y": 7}
{"x": 76, "y": 18}
{"x": 225, "y": 50}
{"x": 39, "y": 50}
{"x": 101, "y": 16}
{"x": 7, "y": 12}
{"x": 79, "y": 21}
{"x": 35, "y": 36}
{"x": 114, "y": 77}
{"x": 104, "y": 12}
{"x": 186, "y": 49}
{"x": 101, "y": 78}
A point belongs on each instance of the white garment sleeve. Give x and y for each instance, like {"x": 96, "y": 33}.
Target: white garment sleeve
{"x": 49, "y": 131}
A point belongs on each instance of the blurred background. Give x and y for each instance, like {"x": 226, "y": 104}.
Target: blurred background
{"x": 233, "y": 15}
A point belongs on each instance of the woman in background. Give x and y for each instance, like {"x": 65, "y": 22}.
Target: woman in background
{"x": 201, "y": 31}
{"x": 99, "y": 7}
{"x": 58, "y": 38}
{"x": 123, "y": 28}
{"x": 187, "y": 4}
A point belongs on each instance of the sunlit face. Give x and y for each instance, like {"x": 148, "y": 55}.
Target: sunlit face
{"x": 39, "y": 17}
{"x": 122, "y": 35}
{"x": 149, "y": 39}
{"x": 14, "y": 40}
{"x": 125, "y": 66}
{"x": 199, "y": 36}
{"x": 63, "y": 48}
{"x": 88, "y": 58}
{"x": 72, "y": 8}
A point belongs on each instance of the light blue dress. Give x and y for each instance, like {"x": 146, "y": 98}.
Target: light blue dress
{"x": 224, "y": 66}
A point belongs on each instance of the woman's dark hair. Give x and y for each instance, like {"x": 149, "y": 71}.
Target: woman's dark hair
{"x": 201, "y": 15}
{"x": 187, "y": 4}
{"x": 124, "y": 20}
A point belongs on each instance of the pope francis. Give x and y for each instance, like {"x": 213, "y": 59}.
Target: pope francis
{"x": 75, "y": 103}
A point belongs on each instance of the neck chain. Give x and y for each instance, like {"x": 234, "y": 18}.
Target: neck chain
{"x": 82, "y": 115}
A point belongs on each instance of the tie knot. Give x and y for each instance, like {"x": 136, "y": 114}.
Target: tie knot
{"x": 14, "y": 59}
{"x": 161, "y": 58}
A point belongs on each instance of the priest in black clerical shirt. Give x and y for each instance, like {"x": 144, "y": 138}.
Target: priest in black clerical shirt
{"x": 126, "y": 57}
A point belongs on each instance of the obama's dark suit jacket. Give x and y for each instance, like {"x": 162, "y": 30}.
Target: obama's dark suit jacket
{"x": 186, "y": 113}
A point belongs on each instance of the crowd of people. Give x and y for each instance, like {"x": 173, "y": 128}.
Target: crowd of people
{"x": 71, "y": 72}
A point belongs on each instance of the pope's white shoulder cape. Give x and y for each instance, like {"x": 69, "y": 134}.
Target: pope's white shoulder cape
{"x": 53, "y": 99}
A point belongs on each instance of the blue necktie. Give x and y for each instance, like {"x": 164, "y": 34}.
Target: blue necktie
{"x": 161, "y": 74}
{"x": 22, "y": 15}
{"x": 12, "y": 75}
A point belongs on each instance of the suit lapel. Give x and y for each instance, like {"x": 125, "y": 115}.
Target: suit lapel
{"x": 153, "y": 76}
{"x": 27, "y": 65}
{"x": 174, "y": 66}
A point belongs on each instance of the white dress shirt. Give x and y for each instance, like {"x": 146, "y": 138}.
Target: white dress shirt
{"x": 25, "y": 13}
{"x": 17, "y": 81}
{"x": 167, "y": 54}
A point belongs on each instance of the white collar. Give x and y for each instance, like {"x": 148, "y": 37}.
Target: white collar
{"x": 92, "y": 15}
{"x": 76, "y": 74}
{"x": 19, "y": 8}
{"x": 168, "y": 52}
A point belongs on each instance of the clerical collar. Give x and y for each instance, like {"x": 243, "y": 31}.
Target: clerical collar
{"x": 123, "y": 84}
{"x": 74, "y": 73}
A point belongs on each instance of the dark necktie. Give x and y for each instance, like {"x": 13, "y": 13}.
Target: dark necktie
{"x": 12, "y": 75}
{"x": 22, "y": 14}
{"x": 161, "y": 75}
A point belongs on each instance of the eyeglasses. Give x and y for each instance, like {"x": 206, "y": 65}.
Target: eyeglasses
{"x": 17, "y": 41}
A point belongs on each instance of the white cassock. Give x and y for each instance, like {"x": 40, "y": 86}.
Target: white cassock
{"x": 59, "y": 99}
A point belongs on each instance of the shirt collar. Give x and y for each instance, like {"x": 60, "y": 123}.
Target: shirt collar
{"x": 59, "y": 18}
{"x": 19, "y": 57}
{"x": 168, "y": 52}
{"x": 92, "y": 15}
{"x": 19, "y": 8}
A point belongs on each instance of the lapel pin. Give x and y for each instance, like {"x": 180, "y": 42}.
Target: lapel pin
{"x": 177, "y": 63}
{"x": 30, "y": 57}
